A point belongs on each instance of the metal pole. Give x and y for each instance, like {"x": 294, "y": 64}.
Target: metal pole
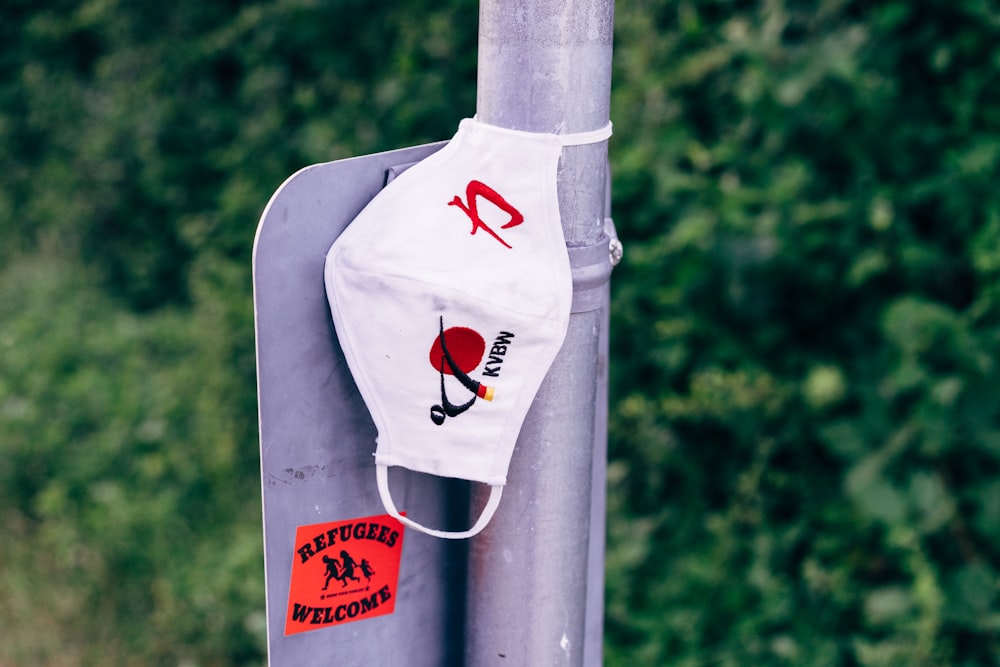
{"x": 545, "y": 66}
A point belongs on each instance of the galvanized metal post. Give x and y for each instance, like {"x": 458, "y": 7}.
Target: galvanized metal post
{"x": 545, "y": 66}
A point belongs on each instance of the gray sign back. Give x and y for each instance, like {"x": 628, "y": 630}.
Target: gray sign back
{"x": 317, "y": 439}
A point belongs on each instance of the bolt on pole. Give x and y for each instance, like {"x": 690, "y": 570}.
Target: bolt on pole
{"x": 545, "y": 66}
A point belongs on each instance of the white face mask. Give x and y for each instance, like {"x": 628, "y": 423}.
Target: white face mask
{"x": 451, "y": 293}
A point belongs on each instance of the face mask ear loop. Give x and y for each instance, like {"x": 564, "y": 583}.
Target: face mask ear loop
{"x": 382, "y": 479}
{"x": 569, "y": 139}
{"x": 583, "y": 138}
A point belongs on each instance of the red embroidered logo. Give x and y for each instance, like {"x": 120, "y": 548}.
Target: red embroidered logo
{"x": 457, "y": 351}
{"x": 470, "y": 207}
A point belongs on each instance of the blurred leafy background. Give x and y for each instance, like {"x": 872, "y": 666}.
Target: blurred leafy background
{"x": 805, "y": 424}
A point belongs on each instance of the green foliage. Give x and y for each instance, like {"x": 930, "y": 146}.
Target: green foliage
{"x": 127, "y": 482}
{"x": 161, "y": 127}
{"x": 805, "y": 438}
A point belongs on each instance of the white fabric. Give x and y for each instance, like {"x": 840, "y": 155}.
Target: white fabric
{"x": 450, "y": 294}
{"x": 581, "y": 138}
{"x": 492, "y": 503}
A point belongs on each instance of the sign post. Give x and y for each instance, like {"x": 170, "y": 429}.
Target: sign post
{"x": 536, "y": 576}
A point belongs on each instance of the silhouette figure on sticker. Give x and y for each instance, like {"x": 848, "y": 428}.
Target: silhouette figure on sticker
{"x": 366, "y": 569}
{"x": 332, "y": 570}
{"x": 471, "y": 208}
{"x": 341, "y": 572}
{"x": 348, "y": 571}
{"x": 457, "y": 352}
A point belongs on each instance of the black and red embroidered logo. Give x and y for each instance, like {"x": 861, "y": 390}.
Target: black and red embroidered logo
{"x": 471, "y": 208}
{"x": 457, "y": 352}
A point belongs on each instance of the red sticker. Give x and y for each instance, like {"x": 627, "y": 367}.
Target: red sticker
{"x": 343, "y": 571}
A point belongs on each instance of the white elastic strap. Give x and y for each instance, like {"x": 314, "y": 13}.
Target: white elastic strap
{"x": 581, "y": 138}
{"x": 568, "y": 139}
{"x": 382, "y": 478}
